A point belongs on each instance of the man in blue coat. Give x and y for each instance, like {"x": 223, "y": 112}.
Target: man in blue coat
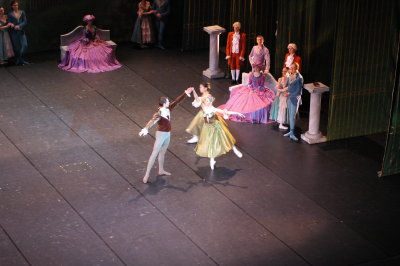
{"x": 162, "y": 11}
{"x": 295, "y": 86}
{"x": 18, "y": 20}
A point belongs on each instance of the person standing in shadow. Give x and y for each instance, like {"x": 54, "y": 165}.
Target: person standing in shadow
{"x": 6, "y": 49}
{"x": 161, "y": 16}
{"x": 17, "y": 33}
{"x": 143, "y": 30}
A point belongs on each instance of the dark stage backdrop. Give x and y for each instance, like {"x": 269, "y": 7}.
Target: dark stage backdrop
{"x": 48, "y": 19}
{"x": 311, "y": 25}
{"x": 364, "y": 68}
{"x": 196, "y": 15}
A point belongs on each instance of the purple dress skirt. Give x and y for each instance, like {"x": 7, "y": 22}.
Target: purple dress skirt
{"x": 6, "y": 49}
{"x": 253, "y": 100}
{"x": 89, "y": 54}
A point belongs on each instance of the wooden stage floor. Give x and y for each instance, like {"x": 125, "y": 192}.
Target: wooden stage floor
{"x": 71, "y": 165}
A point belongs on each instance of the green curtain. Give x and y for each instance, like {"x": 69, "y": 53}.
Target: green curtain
{"x": 198, "y": 14}
{"x": 310, "y": 25}
{"x": 391, "y": 159}
{"x": 364, "y": 68}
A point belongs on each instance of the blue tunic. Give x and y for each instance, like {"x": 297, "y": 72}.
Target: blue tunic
{"x": 18, "y": 37}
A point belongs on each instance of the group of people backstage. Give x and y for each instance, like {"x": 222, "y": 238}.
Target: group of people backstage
{"x": 255, "y": 100}
{"x": 92, "y": 55}
{"x": 87, "y": 54}
{"x": 13, "y": 43}
{"x": 212, "y": 135}
{"x": 143, "y": 31}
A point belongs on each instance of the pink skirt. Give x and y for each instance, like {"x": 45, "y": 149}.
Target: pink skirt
{"x": 92, "y": 57}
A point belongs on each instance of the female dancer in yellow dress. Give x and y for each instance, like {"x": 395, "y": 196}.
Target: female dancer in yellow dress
{"x": 215, "y": 139}
{"x": 197, "y": 123}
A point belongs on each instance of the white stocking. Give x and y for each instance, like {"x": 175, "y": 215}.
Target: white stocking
{"x": 233, "y": 74}
{"x": 237, "y": 74}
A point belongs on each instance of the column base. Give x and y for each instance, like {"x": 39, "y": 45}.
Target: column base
{"x": 213, "y": 74}
{"x": 313, "y": 138}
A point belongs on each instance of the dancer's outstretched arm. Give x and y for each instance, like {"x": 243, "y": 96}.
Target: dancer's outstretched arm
{"x": 197, "y": 100}
{"x": 180, "y": 98}
{"x": 226, "y": 112}
{"x": 149, "y": 124}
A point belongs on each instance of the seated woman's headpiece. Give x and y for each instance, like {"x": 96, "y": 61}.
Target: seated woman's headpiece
{"x": 87, "y": 18}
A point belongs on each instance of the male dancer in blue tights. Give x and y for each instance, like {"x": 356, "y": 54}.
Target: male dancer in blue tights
{"x": 163, "y": 134}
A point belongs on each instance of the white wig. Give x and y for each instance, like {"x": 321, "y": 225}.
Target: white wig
{"x": 237, "y": 23}
{"x": 293, "y": 45}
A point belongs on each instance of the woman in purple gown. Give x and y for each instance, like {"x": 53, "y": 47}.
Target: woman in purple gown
{"x": 89, "y": 53}
{"x": 253, "y": 100}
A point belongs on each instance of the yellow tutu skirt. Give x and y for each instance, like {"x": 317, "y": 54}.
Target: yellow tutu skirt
{"x": 215, "y": 139}
{"x": 196, "y": 125}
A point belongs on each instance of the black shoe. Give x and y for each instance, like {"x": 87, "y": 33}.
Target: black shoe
{"x": 233, "y": 82}
{"x": 22, "y": 63}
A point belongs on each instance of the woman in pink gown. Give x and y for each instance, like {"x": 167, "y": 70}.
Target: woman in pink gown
{"x": 253, "y": 100}
{"x": 89, "y": 53}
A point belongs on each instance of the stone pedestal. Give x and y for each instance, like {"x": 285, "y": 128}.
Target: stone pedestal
{"x": 214, "y": 71}
{"x": 313, "y": 135}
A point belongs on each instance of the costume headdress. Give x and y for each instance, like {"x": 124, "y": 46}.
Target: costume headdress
{"x": 87, "y": 18}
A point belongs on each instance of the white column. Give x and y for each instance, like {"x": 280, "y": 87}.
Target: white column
{"x": 313, "y": 135}
{"x": 214, "y": 71}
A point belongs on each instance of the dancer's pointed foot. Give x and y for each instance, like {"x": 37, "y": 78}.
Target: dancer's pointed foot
{"x": 163, "y": 172}
{"x": 293, "y": 137}
{"x": 237, "y": 152}
{"x": 145, "y": 179}
{"x": 212, "y": 163}
{"x": 281, "y": 126}
{"x": 194, "y": 139}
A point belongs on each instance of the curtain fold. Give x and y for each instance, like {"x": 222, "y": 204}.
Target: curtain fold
{"x": 310, "y": 24}
{"x": 391, "y": 159}
{"x": 364, "y": 68}
{"x": 199, "y": 14}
